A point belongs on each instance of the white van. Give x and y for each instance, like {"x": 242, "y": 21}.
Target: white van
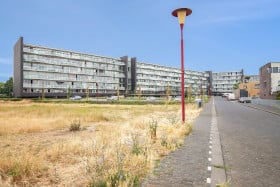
{"x": 231, "y": 97}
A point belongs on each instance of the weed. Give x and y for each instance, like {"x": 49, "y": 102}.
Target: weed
{"x": 153, "y": 124}
{"x": 99, "y": 183}
{"x": 18, "y": 169}
{"x": 221, "y": 167}
{"x": 188, "y": 132}
{"x": 163, "y": 141}
{"x": 136, "y": 149}
{"x": 75, "y": 125}
{"x": 120, "y": 175}
{"x": 224, "y": 184}
{"x": 172, "y": 118}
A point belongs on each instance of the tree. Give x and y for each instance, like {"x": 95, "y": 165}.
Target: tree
{"x": 168, "y": 92}
{"x": 87, "y": 93}
{"x": 2, "y": 88}
{"x": 68, "y": 93}
{"x": 236, "y": 86}
{"x": 43, "y": 93}
{"x": 139, "y": 92}
{"x": 7, "y": 88}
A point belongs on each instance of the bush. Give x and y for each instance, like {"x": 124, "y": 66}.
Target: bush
{"x": 278, "y": 96}
{"x": 75, "y": 126}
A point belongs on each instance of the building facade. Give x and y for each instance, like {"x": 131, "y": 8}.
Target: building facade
{"x": 157, "y": 79}
{"x": 251, "y": 84}
{"x": 56, "y": 72}
{"x": 269, "y": 80}
{"x": 223, "y": 82}
{"x": 53, "y": 72}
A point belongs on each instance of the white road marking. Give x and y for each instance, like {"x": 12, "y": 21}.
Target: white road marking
{"x": 209, "y": 180}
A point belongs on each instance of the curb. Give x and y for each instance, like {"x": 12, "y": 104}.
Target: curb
{"x": 265, "y": 110}
{"x": 218, "y": 174}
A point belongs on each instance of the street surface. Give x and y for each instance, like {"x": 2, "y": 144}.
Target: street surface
{"x": 250, "y": 141}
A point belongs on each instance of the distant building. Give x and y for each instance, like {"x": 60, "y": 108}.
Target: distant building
{"x": 269, "y": 80}
{"x": 156, "y": 79}
{"x": 54, "y": 72}
{"x": 251, "y": 84}
{"x": 224, "y": 82}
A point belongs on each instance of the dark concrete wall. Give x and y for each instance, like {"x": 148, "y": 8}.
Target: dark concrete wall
{"x": 125, "y": 60}
{"x": 18, "y": 66}
{"x": 133, "y": 74}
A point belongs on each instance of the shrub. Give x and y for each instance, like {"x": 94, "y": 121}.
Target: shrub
{"x": 153, "y": 128}
{"x": 75, "y": 125}
{"x": 136, "y": 149}
{"x": 278, "y": 96}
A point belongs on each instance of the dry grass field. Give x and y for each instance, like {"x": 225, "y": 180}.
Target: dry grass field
{"x": 48, "y": 144}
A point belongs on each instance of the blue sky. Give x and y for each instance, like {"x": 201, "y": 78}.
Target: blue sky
{"x": 220, "y": 35}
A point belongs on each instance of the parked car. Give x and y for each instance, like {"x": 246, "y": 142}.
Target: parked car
{"x": 245, "y": 99}
{"x": 112, "y": 98}
{"x": 151, "y": 98}
{"x": 225, "y": 94}
{"x": 177, "y": 98}
{"x": 76, "y": 97}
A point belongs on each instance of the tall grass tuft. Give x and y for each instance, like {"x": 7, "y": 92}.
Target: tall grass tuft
{"x": 75, "y": 125}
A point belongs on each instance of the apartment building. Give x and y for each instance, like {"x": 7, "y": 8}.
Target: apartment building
{"x": 223, "y": 82}
{"x": 270, "y": 80}
{"x": 54, "y": 72}
{"x": 251, "y": 85}
{"x": 156, "y": 79}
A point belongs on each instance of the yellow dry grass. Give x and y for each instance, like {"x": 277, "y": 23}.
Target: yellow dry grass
{"x": 115, "y": 148}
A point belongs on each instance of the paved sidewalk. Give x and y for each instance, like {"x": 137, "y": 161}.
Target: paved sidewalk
{"x": 187, "y": 166}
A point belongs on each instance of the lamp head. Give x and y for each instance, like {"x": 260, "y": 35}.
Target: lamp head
{"x": 181, "y": 13}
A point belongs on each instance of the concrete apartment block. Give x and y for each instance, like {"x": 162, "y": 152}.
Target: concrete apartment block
{"x": 54, "y": 72}
{"x": 223, "y": 82}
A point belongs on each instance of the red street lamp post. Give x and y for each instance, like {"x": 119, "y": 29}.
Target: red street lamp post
{"x": 181, "y": 13}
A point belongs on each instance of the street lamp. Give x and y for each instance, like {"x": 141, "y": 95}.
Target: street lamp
{"x": 181, "y": 13}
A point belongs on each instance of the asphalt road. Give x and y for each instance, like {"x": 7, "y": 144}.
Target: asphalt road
{"x": 250, "y": 141}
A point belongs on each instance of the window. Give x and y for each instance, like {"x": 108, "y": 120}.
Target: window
{"x": 275, "y": 70}
{"x": 269, "y": 70}
{"x": 264, "y": 84}
{"x": 257, "y": 86}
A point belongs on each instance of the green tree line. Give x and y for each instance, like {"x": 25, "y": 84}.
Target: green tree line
{"x": 6, "y": 88}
